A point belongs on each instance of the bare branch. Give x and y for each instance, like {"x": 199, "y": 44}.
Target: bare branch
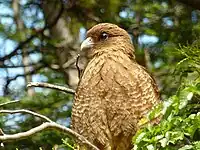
{"x": 79, "y": 71}
{"x": 69, "y": 62}
{"x": 26, "y": 111}
{"x": 51, "y": 86}
{"x": 10, "y": 102}
{"x": 48, "y": 125}
{"x": 36, "y": 68}
{"x": 17, "y": 66}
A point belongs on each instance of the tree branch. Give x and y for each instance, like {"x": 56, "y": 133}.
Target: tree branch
{"x": 51, "y": 86}
{"x": 36, "y": 68}
{"x": 10, "y": 102}
{"x": 26, "y": 111}
{"x": 48, "y": 125}
{"x": 21, "y": 65}
{"x": 69, "y": 62}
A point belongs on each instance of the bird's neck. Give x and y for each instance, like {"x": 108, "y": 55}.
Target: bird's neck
{"x": 113, "y": 51}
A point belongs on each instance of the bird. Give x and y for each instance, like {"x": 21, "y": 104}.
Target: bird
{"x": 114, "y": 91}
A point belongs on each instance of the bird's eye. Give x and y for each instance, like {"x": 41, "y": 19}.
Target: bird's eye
{"x": 104, "y": 36}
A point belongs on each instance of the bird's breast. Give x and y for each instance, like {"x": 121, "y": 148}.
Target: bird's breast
{"x": 104, "y": 67}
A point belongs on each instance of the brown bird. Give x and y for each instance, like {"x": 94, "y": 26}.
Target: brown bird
{"x": 114, "y": 93}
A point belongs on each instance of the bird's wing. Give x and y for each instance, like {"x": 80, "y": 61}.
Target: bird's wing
{"x": 132, "y": 93}
{"x": 88, "y": 117}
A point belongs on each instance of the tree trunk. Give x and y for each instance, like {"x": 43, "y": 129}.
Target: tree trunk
{"x": 25, "y": 56}
{"x": 61, "y": 33}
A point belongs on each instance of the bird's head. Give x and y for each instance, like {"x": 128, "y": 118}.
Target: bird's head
{"x": 106, "y": 37}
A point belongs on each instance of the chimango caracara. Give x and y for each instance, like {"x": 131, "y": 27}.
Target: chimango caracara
{"x": 114, "y": 92}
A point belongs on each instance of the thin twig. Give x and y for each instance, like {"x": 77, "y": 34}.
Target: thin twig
{"x": 48, "y": 125}
{"x": 79, "y": 71}
{"x": 51, "y": 86}
{"x": 36, "y": 68}
{"x": 26, "y": 111}
{"x": 21, "y": 65}
{"x": 10, "y": 102}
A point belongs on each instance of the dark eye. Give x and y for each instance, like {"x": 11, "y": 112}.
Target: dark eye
{"x": 104, "y": 36}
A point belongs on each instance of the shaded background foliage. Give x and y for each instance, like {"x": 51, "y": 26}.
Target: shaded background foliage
{"x": 40, "y": 39}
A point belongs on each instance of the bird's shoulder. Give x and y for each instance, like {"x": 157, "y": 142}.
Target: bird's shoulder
{"x": 117, "y": 69}
{"x": 132, "y": 78}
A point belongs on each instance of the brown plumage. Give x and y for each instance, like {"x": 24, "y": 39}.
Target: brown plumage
{"x": 114, "y": 91}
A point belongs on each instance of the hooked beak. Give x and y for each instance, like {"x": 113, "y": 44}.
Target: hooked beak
{"x": 87, "y": 44}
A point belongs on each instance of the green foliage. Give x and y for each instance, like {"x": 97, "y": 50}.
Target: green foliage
{"x": 52, "y": 104}
{"x": 175, "y": 68}
{"x": 179, "y": 127}
{"x": 69, "y": 143}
